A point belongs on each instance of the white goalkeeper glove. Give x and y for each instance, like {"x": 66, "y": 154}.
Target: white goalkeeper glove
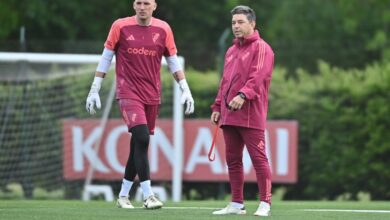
{"x": 186, "y": 97}
{"x": 93, "y": 96}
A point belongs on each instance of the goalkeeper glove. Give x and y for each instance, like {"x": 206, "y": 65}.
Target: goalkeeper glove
{"x": 186, "y": 97}
{"x": 93, "y": 96}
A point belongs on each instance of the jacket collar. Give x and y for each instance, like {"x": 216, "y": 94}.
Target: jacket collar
{"x": 248, "y": 40}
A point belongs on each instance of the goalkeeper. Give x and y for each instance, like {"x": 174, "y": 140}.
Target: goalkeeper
{"x": 139, "y": 42}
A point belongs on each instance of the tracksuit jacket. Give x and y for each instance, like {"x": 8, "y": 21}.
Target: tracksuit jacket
{"x": 247, "y": 69}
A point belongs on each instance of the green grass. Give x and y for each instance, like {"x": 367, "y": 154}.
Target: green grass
{"x": 98, "y": 210}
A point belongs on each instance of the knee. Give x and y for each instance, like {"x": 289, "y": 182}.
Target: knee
{"x": 234, "y": 160}
{"x": 140, "y": 135}
{"x": 143, "y": 139}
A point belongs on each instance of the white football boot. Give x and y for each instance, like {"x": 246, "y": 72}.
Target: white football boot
{"x": 230, "y": 210}
{"x": 124, "y": 202}
{"x": 152, "y": 203}
{"x": 263, "y": 210}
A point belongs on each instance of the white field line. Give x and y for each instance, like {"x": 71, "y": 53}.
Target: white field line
{"x": 205, "y": 208}
{"x": 306, "y": 210}
{"x": 347, "y": 210}
{"x": 173, "y": 207}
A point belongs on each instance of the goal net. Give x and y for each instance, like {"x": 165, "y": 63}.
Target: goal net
{"x": 37, "y": 93}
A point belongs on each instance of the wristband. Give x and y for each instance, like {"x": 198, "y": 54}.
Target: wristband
{"x": 242, "y": 95}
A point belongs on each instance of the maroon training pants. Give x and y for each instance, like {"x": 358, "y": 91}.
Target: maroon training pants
{"x": 235, "y": 139}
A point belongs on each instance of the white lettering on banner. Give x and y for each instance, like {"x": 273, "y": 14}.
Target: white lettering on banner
{"x": 83, "y": 152}
{"x": 246, "y": 160}
{"x": 202, "y": 142}
{"x": 159, "y": 138}
{"x": 111, "y": 148}
{"x": 81, "y": 149}
{"x": 282, "y": 151}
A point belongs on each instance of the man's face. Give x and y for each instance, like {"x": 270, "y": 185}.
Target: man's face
{"x": 144, "y": 8}
{"x": 241, "y": 26}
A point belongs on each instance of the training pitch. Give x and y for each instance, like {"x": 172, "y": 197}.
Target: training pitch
{"x": 199, "y": 210}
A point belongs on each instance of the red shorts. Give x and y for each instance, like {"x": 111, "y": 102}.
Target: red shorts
{"x": 136, "y": 113}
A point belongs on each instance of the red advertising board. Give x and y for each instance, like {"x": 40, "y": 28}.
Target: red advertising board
{"x": 80, "y": 137}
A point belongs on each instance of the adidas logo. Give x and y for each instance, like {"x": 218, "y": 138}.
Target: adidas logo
{"x": 229, "y": 58}
{"x": 131, "y": 37}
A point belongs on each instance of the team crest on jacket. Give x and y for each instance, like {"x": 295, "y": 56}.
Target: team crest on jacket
{"x": 155, "y": 37}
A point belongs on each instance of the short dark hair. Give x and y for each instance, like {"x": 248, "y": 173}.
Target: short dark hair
{"x": 243, "y": 9}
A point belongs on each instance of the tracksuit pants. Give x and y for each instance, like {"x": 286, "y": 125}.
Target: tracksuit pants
{"x": 254, "y": 139}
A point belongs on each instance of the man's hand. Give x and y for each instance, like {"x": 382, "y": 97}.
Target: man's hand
{"x": 236, "y": 103}
{"x": 93, "y": 96}
{"x": 186, "y": 97}
{"x": 215, "y": 117}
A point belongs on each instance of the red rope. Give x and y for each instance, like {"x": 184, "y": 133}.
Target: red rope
{"x": 213, "y": 144}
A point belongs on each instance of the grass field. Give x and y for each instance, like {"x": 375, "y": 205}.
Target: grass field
{"x": 99, "y": 210}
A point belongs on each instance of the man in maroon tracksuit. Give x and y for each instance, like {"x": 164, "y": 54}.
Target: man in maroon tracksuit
{"x": 240, "y": 109}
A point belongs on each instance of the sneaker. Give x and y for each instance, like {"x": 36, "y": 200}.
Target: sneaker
{"x": 230, "y": 210}
{"x": 124, "y": 202}
{"x": 263, "y": 210}
{"x": 152, "y": 203}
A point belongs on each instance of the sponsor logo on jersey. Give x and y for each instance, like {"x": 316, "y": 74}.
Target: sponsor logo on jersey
{"x": 141, "y": 51}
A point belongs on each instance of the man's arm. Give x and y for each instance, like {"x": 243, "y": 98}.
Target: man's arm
{"x": 101, "y": 70}
{"x": 179, "y": 76}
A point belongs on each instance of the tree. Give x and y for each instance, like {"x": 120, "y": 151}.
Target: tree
{"x": 343, "y": 33}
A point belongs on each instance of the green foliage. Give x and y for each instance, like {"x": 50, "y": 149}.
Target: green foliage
{"x": 343, "y": 129}
{"x": 343, "y": 33}
{"x": 8, "y": 18}
{"x": 204, "y": 88}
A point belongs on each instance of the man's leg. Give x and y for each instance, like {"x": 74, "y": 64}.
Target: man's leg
{"x": 140, "y": 120}
{"x": 130, "y": 173}
{"x": 123, "y": 201}
{"x": 133, "y": 113}
{"x": 140, "y": 135}
{"x": 234, "y": 151}
{"x": 234, "y": 148}
{"x": 255, "y": 143}
{"x": 150, "y": 201}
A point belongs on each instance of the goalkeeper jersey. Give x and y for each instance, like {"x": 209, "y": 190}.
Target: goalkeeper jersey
{"x": 139, "y": 50}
